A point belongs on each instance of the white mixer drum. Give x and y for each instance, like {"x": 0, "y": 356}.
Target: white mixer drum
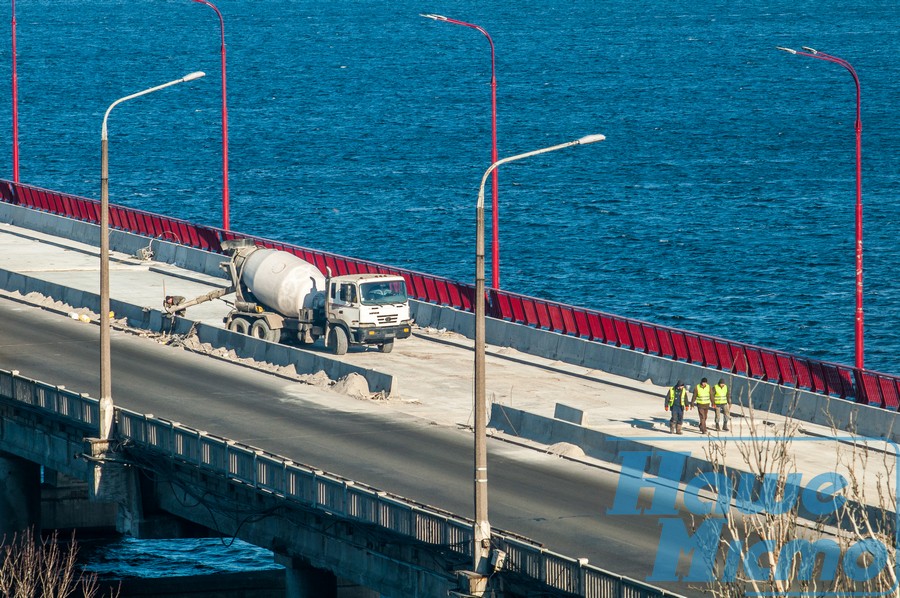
{"x": 282, "y": 281}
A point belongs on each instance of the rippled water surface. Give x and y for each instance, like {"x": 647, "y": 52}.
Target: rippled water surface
{"x": 722, "y": 200}
{"x": 128, "y": 557}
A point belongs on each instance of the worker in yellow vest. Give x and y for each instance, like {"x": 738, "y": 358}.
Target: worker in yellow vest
{"x": 722, "y": 403}
{"x": 675, "y": 403}
{"x": 701, "y": 400}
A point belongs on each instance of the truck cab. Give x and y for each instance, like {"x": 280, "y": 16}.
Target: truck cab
{"x": 370, "y": 309}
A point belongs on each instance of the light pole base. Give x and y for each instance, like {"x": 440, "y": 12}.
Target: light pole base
{"x": 470, "y": 584}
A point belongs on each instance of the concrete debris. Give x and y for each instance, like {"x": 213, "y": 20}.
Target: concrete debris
{"x": 565, "y": 449}
{"x": 354, "y": 385}
{"x": 319, "y": 379}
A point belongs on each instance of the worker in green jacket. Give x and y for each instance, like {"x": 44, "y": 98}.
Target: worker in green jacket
{"x": 676, "y": 401}
{"x": 722, "y": 403}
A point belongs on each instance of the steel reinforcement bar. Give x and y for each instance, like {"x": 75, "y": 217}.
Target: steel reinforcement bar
{"x": 313, "y": 488}
{"x": 778, "y": 367}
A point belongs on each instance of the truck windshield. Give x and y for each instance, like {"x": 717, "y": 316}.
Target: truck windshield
{"x": 382, "y": 292}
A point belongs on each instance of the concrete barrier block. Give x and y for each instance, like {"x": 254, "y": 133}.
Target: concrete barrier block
{"x": 569, "y": 414}
{"x": 571, "y": 349}
{"x": 496, "y": 332}
{"x": 597, "y": 356}
{"x": 542, "y": 342}
{"x": 506, "y": 419}
{"x": 425, "y": 314}
{"x": 458, "y": 321}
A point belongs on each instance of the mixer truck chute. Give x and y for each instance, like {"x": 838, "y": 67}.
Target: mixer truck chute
{"x": 280, "y": 297}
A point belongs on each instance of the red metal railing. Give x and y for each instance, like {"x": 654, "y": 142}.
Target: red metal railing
{"x": 820, "y": 377}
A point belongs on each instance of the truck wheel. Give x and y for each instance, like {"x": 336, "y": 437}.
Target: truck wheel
{"x": 261, "y": 330}
{"x": 239, "y": 325}
{"x": 337, "y": 341}
{"x": 386, "y": 347}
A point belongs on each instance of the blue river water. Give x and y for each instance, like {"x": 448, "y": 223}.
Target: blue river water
{"x": 722, "y": 200}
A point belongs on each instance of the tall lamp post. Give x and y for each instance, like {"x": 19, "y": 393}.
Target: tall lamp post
{"x": 225, "y": 199}
{"x": 495, "y": 213}
{"x": 859, "y": 211}
{"x": 106, "y": 402}
{"x": 482, "y": 529}
{"x": 15, "y": 101}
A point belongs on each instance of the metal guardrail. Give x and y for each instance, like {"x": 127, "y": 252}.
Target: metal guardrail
{"x": 275, "y": 475}
{"x": 820, "y": 377}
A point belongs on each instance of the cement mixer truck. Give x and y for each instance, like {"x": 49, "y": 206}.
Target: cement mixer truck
{"x": 282, "y": 298}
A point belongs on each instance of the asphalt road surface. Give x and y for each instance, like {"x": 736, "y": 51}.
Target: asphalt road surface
{"x": 557, "y": 502}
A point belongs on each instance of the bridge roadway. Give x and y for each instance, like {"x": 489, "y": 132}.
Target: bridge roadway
{"x": 415, "y": 443}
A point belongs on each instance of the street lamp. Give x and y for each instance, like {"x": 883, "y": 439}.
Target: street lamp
{"x": 225, "y": 216}
{"x": 106, "y": 402}
{"x": 495, "y": 213}
{"x": 482, "y": 530}
{"x": 15, "y": 101}
{"x": 859, "y": 212}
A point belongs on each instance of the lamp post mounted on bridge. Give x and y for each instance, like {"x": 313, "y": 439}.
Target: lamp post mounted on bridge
{"x": 859, "y": 329}
{"x": 106, "y": 402}
{"x": 495, "y": 209}
{"x": 482, "y": 531}
{"x": 225, "y": 197}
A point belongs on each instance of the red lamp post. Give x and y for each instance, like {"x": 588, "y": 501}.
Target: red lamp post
{"x": 225, "y": 216}
{"x": 495, "y": 216}
{"x": 859, "y": 212}
{"x": 15, "y": 101}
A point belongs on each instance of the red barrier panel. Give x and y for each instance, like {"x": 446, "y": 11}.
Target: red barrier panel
{"x": 679, "y": 343}
{"x": 568, "y": 321}
{"x": 531, "y": 317}
{"x": 695, "y": 353}
{"x": 556, "y": 318}
{"x": 786, "y": 369}
{"x": 431, "y": 292}
{"x": 637, "y": 336}
{"x": 583, "y": 324}
{"x": 754, "y": 363}
{"x": 651, "y": 339}
{"x": 726, "y": 360}
{"x": 890, "y": 393}
{"x": 666, "y": 348}
{"x": 622, "y": 333}
{"x": 518, "y": 310}
{"x": 609, "y": 330}
{"x": 443, "y": 297}
{"x": 543, "y": 315}
{"x": 596, "y": 326}
{"x": 710, "y": 354}
{"x": 804, "y": 376}
{"x": 872, "y": 389}
{"x": 770, "y": 366}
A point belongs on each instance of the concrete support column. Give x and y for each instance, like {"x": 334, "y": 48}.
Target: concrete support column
{"x": 301, "y": 580}
{"x": 349, "y": 589}
{"x": 20, "y": 495}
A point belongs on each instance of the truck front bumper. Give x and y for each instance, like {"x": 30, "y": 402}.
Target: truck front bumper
{"x": 383, "y": 334}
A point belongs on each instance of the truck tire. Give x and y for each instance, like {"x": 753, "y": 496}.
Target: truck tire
{"x": 386, "y": 347}
{"x": 261, "y": 330}
{"x": 337, "y": 341}
{"x": 239, "y": 325}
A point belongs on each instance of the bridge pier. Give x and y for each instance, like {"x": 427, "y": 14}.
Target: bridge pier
{"x": 302, "y": 580}
{"x": 20, "y": 495}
